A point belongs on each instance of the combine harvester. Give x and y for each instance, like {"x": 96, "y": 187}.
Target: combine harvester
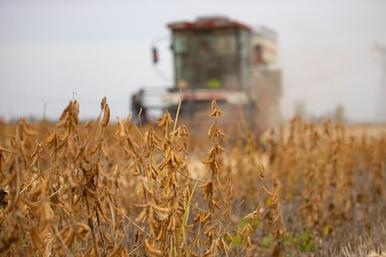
{"x": 223, "y": 59}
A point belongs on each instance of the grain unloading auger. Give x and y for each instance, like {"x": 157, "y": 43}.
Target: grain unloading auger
{"x": 223, "y": 59}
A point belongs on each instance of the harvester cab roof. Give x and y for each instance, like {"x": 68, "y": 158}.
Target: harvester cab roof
{"x": 208, "y": 22}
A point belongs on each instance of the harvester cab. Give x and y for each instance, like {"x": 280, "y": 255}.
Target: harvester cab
{"x": 219, "y": 58}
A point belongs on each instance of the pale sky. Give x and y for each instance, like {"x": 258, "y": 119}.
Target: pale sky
{"x": 50, "y": 49}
